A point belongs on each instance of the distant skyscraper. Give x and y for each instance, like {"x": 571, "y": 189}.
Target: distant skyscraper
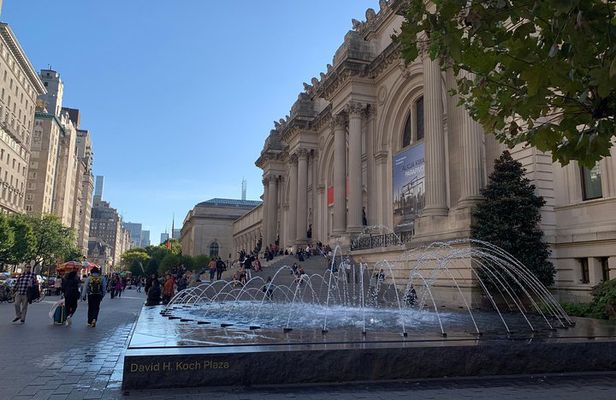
{"x": 98, "y": 189}
{"x": 145, "y": 238}
{"x": 134, "y": 230}
{"x": 164, "y": 237}
{"x": 244, "y": 185}
{"x": 177, "y": 233}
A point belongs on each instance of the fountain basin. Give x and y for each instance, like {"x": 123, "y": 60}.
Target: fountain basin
{"x": 165, "y": 353}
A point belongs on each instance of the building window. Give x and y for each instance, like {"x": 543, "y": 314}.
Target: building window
{"x": 591, "y": 183}
{"x": 605, "y": 268}
{"x": 584, "y": 270}
{"x": 408, "y": 132}
{"x": 419, "y": 112}
{"x": 414, "y": 125}
{"x": 214, "y": 250}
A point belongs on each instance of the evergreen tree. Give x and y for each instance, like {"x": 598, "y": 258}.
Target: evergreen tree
{"x": 510, "y": 215}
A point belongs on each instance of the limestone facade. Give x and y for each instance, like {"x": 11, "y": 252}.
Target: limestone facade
{"x": 208, "y": 228}
{"x": 19, "y": 88}
{"x": 328, "y": 166}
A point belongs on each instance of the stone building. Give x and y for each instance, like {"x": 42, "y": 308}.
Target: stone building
{"x": 19, "y": 88}
{"x": 208, "y": 227}
{"x": 375, "y": 142}
{"x": 100, "y": 253}
{"x": 106, "y": 226}
{"x": 60, "y": 172}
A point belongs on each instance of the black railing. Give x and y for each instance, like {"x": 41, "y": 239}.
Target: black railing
{"x": 371, "y": 241}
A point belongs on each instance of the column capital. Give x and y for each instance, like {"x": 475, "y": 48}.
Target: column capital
{"x": 302, "y": 153}
{"x": 354, "y": 108}
{"x": 293, "y": 158}
{"x": 265, "y": 180}
{"x": 339, "y": 121}
{"x": 381, "y": 157}
{"x": 370, "y": 112}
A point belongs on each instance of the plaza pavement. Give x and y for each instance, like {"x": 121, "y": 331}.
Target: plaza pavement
{"x": 42, "y": 361}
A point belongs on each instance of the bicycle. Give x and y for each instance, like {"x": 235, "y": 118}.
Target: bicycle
{"x": 6, "y": 294}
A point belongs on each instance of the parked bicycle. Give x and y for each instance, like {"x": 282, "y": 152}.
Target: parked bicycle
{"x": 6, "y": 294}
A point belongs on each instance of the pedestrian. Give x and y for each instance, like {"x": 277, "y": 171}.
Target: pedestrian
{"x": 212, "y": 267}
{"x": 25, "y": 281}
{"x": 220, "y": 268}
{"x": 153, "y": 291}
{"x": 94, "y": 291}
{"x": 70, "y": 288}
{"x": 168, "y": 288}
{"x": 119, "y": 286}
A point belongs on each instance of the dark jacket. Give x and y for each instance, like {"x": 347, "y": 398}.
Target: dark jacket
{"x": 70, "y": 285}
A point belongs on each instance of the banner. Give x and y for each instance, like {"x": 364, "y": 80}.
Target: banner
{"x": 408, "y": 187}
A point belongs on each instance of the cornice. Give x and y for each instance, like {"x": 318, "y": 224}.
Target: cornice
{"x": 12, "y": 43}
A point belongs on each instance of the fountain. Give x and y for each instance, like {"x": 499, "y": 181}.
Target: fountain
{"x": 441, "y": 310}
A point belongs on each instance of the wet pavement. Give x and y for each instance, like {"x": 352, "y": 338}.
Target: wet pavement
{"x": 42, "y": 361}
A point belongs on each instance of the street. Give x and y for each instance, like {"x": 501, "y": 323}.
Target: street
{"x": 43, "y": 361}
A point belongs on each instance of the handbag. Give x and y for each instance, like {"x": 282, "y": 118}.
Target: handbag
{"x": 33, "y": 293}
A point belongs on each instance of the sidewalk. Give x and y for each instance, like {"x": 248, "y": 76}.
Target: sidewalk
{"x": 42, "y": 361}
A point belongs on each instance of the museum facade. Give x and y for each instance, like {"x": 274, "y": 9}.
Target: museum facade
{"x": 374, "y": 142}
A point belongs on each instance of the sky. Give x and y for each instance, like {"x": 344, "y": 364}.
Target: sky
{"x": 180, "y": 95}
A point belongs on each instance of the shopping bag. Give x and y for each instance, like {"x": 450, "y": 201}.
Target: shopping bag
{"x": 58, "y": 312}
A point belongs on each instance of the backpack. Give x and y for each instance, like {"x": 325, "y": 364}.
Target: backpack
{"x": 95, "y": 285}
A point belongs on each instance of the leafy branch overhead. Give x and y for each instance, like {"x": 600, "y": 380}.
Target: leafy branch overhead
{"x": 541, "y": 72}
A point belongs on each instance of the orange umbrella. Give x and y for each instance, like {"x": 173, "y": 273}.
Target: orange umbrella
{"x": 69, "y": 266}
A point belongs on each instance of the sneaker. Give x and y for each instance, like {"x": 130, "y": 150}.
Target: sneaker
{"x": 22, "y": 322}
{"x": 16, "y": 319}
{"x": 93, "y": 324}
{"x": 69, "y": 321}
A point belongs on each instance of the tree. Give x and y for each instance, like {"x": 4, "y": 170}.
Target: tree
{"x": 7, "y": 240}
{"x": 201, "y": 262}
{"x": 509, "y": 218}
{"x": 25, "y": 242}
{"x": 54, "y": 241}
{"x": 536, "y": 72}
{"x": 168, "y": 262}
{"x": 135, "y": 259}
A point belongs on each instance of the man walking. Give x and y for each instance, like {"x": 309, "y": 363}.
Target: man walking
{"x": 25, "y": 281}
{"x": 94, "y": 289}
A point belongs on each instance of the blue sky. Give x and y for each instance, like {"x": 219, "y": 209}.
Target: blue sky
{"x": 180, "y": 95}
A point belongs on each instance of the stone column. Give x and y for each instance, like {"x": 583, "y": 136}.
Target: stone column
{"x": 266, "y": 207}
{"x": 370, "y": 167}
{"x": 321, "y": 220}
{"x": 339, "y": 122}
{"x": 436, "y": 189}
{"x": 316, "y": 205}
{"x": 292, "y": 201}
{"x": 470, "y": 135}
{"x": 595, "y": 273}
{"x": 380, "y": 160}
{"x": 272, "y": 208}
{"x": 302, "y": 202}
{"x": 611, "y": 263}
{"x": 355, "y": 111}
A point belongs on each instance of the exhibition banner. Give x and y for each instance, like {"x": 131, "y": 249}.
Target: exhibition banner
{"x": 408, "y": 187}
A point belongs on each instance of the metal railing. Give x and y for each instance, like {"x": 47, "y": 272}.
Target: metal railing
{"x": 371, "y": 241}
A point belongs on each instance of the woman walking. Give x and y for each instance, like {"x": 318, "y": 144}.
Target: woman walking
{"x": 70, "y": 287}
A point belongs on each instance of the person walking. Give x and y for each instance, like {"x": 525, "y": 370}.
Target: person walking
{"x": 220, "y": 268}
{"x": 70, "y": 288}
{"x": 212, "y": 268}
{"x": 94, "y": 290}
{"x": 25, "y": 281}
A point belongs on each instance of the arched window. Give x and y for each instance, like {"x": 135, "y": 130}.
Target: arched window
{"x": 419, "y": 113}
{"x": 414, "y": 125}
{"x": 407, "y": 135}
{"x": 214, "y": 249}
